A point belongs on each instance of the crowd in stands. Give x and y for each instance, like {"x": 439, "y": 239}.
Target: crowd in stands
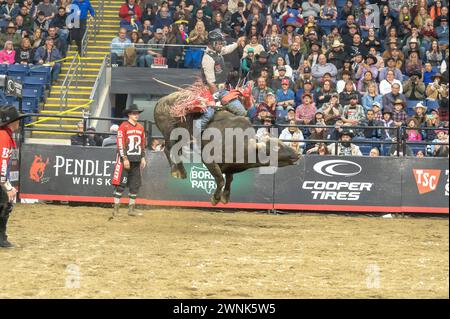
{"x": 38, "y": 32}
{"x": 315, "y": 62}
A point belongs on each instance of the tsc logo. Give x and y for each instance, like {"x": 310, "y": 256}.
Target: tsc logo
{"x": 340, "y": 168}
{"x": 427, "y": 180}
{"x": 37, "y": 169}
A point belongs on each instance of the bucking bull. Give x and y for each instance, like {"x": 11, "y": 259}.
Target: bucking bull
{"x": 181, "y": 108}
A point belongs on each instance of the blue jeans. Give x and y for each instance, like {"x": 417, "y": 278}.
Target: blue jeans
{"x": 145, "y": 60}
{"x": 56, "y": 69}
{"x": 205, "y": 118}
{"x": 235, "y": 106}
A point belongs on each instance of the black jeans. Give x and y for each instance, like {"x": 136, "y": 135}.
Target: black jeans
{"x": 77, "y": 34}
{"x": 5, "y": 209}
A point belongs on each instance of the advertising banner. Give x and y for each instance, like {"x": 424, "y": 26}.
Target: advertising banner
{"x": 331, "y": 183}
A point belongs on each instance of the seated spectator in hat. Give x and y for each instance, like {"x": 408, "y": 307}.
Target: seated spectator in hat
{"x": 118, "y": 45}
{"x": 307, "y": 89}
{"x": 365, "y": 82}
{"x": 273, "y": 52}
{"x": 280, "y": 64}
{"x": 291, "y": 137}
{"x": 131, "y": 15}
{"x": 286, "y": 118}
{"x": 369, "y": 121}
{"x": 388, "y": 99}
{"x": 279, "y": 76}
{"x": 376, "y": 107}
{"x": 236, "y": 30}
{"x": 337, "y": 54}
{"x": 345, "y": 147}
{"x": 349, "y": 91}
{"x": 420, "y": 113}
{"x": 432, "y": 120}
{"x": 368, "y": 65}
{"x": 436, "y": 90}
{"x": 387, "y": 122}
{"x": 41, "y": 22}
{"x": 285, "y": 96}
{"x": 357, "y": 46}
{"x": 24, "y": 54}
{"x": 357, "y": 61}
{"x": 111, "y": 140}
{"x": 399, "y": 116}
{"x": 10, "y": 35}
{"x": 304, "y": 75}
{"x": 323, "y": 93}
{"x": 318, "y": 133}
{"x": 97, "y": 138}
{"x": 371, "y": 96}
{"x": 386, "y": 85}
{"x": 345, "y": 77}
{"x": 247, "y": 62}
{"x": 263, "y": 133}
{"x": 8, "y": 54}
{"x": 323, "y": 67}
{"x": 260, "y": 113}
{"x": 412, "y": 130}
{"x": 305, "y": 112}
{"x": 413, "y": 44}
{"x": 353, "y": 114}
{"x": 48, "y": 8}
{"x": 60, "y": 23}
{"x": 414, "y": 88}
{"x": 349, "y": 24}
{"x": 331, "y": 110}
{"x": 260, "y": 63}
{"x": 49, "y": 54}
{"x": 319, "y": 118}
{"x": 440, "y": 150}
{"x": 390, "y": 66}
{"x": 255, "y": 44}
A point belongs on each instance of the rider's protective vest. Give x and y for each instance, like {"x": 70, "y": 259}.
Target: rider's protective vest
{"x": 220, "y": 69}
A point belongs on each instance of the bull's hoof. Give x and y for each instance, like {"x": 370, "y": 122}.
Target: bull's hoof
{"x": 214, "y": 201}
{"x": 179, "y": 175}
{"x": 225, "y": 198}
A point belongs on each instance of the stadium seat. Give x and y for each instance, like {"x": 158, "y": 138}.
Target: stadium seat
{"x": 3, "y": 68}
{"x": 31, "y": 82}
{"x": 417, "y": 148}
{"x": 432, "y": 104}
{"x": 12, "y": 99}
{"x": 30, "y": 100}
{"x": 18, "y": 70}
{"x": 42, "y": 71}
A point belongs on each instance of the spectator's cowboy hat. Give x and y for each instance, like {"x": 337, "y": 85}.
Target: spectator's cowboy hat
{"x": 400, "y": 101}
{"x": 443, "y": 19}
{"x": 291, "y": 24}
{"x": 411, "y": 51}
{"x": 413, "y": 40}
{"x": 11, "y": 25}
{"x": 337, "y": 44}
{"x": 263, "y": 55}
{"x": 281, "y": 68}
{"x": 436, "y": 75}
{"x": 376, "y": 104}
{"x": 335, "y": 94}
{"x": 132, "y": 108}
{"x": 441, "y": 131}
{"x": 346, "y": 133}
{"x": 387, "y": 111}
{"x": 372, "y": 57}
{"x": 420, "y": 106}
{"x": 316, "y": 43}
{"x": 9, "y": 114}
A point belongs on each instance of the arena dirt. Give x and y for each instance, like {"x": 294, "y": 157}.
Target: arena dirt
{"x": 169, "y": 253}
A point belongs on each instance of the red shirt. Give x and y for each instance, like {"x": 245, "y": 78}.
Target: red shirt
{"x": 7, "y": 143}
{"x": 131, "y": 141}
{"x": 123, "y": 12}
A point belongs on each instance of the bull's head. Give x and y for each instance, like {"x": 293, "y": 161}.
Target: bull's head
{"x": 285, "y": 155}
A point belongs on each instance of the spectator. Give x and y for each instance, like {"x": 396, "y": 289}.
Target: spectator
{"x": 412, "y": 132}
{"x": 292, "y": 137}
{"x": 400, "y": 148}
{"x": 280, "y": 75}
{"x": 434, "y": 55}
{"x": 376, "y": 107}
{"x": 388, "y": 133}
{"x": 111, "y": 140}
{"x": 281, "y": 65}
{"x": 9, "y": 10}
{"x": 261, "y": 90}
{"x": 413, "y": 63}
{"x": 260, "y": 63}
{"x": 96, "y": 138}
{"x": 162, "y": 19}
{"x": 255, "y": 45}
{"x": 285, "y": 96}
{"x": 390, "y": 66}
{"x": 323, "y": 67}
{"x": 7, "y": 54}
{"x": 318, "y": 135}
{"x": 399, "y": 115}
{"x": 420, "y": 111}
{"x": 440, "y": 150}
{"x": 345, "y": 147}
{"x": 48, "y": 54}
{"x": 58, "y": 41}
{"x": 324, "y": 92}
{"x": 131, "y": 15}
{"x": 371, "y": 133}
{"x": 349, "y": 91}
{"x": 371, "y": 96}
{"x": 294, "y": 57}
{"x": 310, "y": 8}
{"x": 436, "y": 90}
{"x": 10, "y": 35}
{"x": 37, "y": 39}
{"x": 337, "y": 54}
{"x": 386, "y": 85}
{"x": 331, "y": 110}
{"x": 41, "y": 22}
{"x": 353, "y": 113}
{"x": 199, "y": 35}
{"x": 49, "y": 9}
{"x": 263, "y": 133}
{"x": 24, "y": 54}
{"x": 118, "y": 45}
{"x": 345, "y": 77}
{"x": 305, "y": 112}
{"x": 27, "y": 16}
{"x": 81, "y": 138}
{"x": 374, "y": 152}
{"x": 59, "y": 22}
{"x": 414, "y": 88}
{"x": 442, "y": 31}
{"x": 432, "y": 120}
{"x": 388, "y": 99}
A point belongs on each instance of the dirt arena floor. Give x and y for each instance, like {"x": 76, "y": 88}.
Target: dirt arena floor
{"x": 68, "y": 252}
